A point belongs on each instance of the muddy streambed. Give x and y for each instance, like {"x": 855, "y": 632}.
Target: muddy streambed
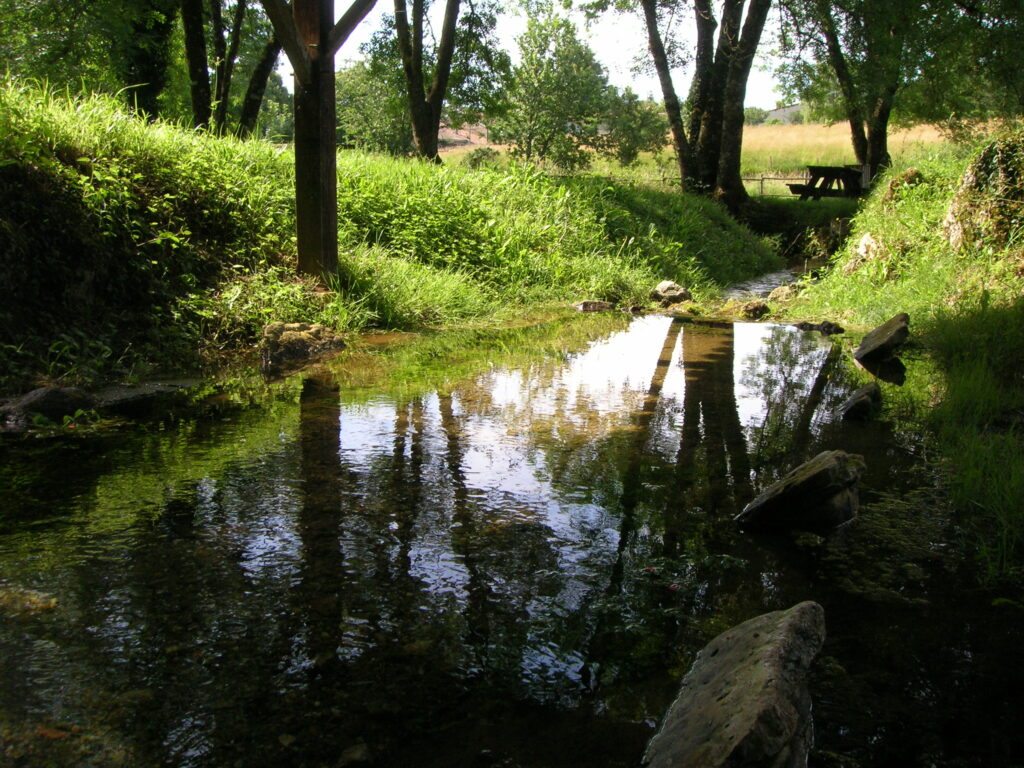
{"x": 496, "y": 550}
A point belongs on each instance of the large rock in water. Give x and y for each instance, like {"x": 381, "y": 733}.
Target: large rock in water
{"x": 862, "y": 403}
{"x": 816, "y": 496}
{"x": 745, "y": 701}
{"x": 880, "y": 343}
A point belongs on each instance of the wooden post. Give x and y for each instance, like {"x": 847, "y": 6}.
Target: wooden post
{"x": 316, "y": 209}
{"x": 309, "y": 35}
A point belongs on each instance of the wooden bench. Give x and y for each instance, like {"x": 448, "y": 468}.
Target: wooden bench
{"x": 806, "y": 190}
{"x": 830, "y": 181}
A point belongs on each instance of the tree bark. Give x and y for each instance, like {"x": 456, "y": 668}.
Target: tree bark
{"x": 253, "y": 100}
{"x": 195, "y": 56}
{"x": 729, "y": 183}
{"x": 684, "y": 156}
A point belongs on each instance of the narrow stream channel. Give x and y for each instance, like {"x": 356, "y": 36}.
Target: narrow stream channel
{"x": 417, "y": 556}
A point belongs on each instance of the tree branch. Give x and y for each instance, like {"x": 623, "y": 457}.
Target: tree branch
{"x": 347, "y": 23}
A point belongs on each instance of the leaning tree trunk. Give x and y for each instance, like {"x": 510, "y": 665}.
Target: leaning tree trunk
{"x": 729, "y": 184}
{"x": 684, "y": 155}
{"x": 253, "y": 99}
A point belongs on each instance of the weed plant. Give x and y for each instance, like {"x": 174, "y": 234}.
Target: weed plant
{"x": 966, "y": 310}
{"x": 127, "y": 247}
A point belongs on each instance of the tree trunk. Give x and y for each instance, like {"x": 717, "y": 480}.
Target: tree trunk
{"x": 877, "y": 156}
{"x": 226, "y": 68}
{"x": 195, "y": 55}
{"x": 144, "y": 62}
{"x": 684, "y": 156}
{"x": 729, "y": 183}
{"x": 425, "y": 108}
{"x": 709, "y": 141}
{"x": 257, "y": 87}
{"x": 316, "y": 214}
{"x": 851, "y": 104}
{"x": 703, "y": 64}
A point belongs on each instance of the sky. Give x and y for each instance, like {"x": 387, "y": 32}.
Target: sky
{"x": 615, "y": 38}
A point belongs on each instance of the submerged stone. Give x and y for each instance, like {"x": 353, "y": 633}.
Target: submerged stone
{"x": 745, "y": 701}
{"x": 862, "y": 403}
{"x": 884, "y": 340}
{"x": 825, "y": 327}
{"x": 816, "y": 496}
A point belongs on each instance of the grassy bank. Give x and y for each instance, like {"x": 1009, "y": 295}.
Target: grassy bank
{"x": 967, "y": 313}
{"x": 128, "y": 248}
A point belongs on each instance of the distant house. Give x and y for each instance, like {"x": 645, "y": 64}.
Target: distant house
{"x": 788, "y": 115}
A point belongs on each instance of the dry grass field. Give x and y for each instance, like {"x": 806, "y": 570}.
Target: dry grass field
{"x": 789, "y": 149}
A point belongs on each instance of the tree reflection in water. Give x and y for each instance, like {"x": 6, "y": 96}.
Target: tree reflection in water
{"x": 508, "y": 567}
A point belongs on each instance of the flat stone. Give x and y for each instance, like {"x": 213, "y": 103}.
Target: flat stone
{"x": 862, "y": 404}
{"x": 816, "y": 496}
{"x": 595, "y": 306}
{"x": 880, "y": 343}
{"x": 53, "y": 402}
{"x": 745, "y": 701}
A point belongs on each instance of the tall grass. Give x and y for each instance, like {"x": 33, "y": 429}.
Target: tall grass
{"x": 127, "y": 246}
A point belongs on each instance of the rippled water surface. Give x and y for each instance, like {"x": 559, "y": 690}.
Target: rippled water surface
{"x": 498, "y": 551}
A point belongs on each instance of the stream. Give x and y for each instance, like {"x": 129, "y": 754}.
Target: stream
{"x": 491, "y": 549}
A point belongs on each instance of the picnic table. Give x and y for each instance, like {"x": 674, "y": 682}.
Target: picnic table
{"x": 830, "y": 181}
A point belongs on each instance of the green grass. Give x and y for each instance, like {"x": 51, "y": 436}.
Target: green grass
{"x": 128, "y": 248}
{"x": 967, "y": 313}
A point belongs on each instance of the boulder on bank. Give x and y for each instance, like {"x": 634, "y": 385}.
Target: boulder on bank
{"x": 985, "y": 210}
{"x": 755, "y": 309}
{"x": 816, "y": 496}
{"x": 745, "y": 701}
{"x": 884, "y": 340}
{"x": 787, "y": 292}
{"x": 286, "y": 345}
{"x": 862, "y": 403}
{"x": 668, "y": 292}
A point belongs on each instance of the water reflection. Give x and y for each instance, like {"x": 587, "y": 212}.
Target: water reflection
{"x": 508, "y": 567}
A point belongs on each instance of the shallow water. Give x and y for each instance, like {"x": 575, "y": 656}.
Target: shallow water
{"x": 423, "y": 555}
{"x": 762, "y": 285}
